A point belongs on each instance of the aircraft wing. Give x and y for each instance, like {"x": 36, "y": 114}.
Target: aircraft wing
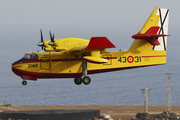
{"x": 95, "y": 47}
{"x": 95, "y": 43}
{"x": 92, "y": 49}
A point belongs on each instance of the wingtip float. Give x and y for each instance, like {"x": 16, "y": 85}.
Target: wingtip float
{"x": 77, "y": 58}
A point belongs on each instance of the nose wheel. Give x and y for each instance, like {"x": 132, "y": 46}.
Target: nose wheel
{"x": 24, "y": 82}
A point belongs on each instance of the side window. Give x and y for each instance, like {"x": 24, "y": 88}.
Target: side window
{"x": 31, "y": 56}
{"x": 35, "y": 56}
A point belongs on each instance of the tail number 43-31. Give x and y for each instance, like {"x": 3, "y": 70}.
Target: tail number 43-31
{"x": 129, "y": 59}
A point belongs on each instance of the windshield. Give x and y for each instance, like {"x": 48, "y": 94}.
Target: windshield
{"x": 31, "y": 56}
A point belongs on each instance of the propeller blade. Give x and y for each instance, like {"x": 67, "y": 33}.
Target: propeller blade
{"x": 52, "y": 39}
{"x": 41, "y": 36}
{"x": 42, "y": 39}
{"x": 41, "y": 44}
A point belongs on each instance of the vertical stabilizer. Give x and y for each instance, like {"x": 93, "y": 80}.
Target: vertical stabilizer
{"x": 153, "y": 35}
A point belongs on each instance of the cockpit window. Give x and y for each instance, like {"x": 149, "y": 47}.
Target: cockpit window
{"x": 25, "y": 56}
{"x": 31, "y": 56}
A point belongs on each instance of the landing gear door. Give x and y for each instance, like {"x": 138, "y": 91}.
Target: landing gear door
{"x": 45, "y": 63}
{"x": 109, "y": 58}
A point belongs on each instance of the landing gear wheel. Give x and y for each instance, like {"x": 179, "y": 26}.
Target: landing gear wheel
{"x": 78, "y": 81}
{"x": 24, "y": 82}
{"x": 86, "y": 80}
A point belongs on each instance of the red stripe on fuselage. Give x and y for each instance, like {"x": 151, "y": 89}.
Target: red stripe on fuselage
{"x": 154, "y": 56}
{"x": 52, "y": 60}
{"x": 28, "y": 61}
{"x": 110, "y": 57}
{"x": 56, "y": 60}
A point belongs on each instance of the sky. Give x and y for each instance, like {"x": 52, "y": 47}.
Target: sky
{"x": 21, "y": 21}
{"x": 118, "y": 20}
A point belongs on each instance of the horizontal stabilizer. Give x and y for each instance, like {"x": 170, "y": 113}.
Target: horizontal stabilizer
{"x": 99, "y": 43}
{"x": 95, "y": 60}
{"x": 151, "y": 35}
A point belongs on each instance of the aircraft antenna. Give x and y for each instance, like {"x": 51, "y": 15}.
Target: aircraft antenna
{"x": 169, "y": 90}
{"x": 145, "y": 91}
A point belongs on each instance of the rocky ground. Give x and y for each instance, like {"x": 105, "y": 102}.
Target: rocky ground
{"x": 117, "y": 112}
{"x": 166, "y": 115}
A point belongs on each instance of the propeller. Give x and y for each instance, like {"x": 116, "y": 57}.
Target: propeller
{"x": 52, "y": 40}
{"x": 41, "y": 44}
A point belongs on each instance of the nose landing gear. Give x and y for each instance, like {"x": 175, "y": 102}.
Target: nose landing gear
{"x": 24, "y": 82}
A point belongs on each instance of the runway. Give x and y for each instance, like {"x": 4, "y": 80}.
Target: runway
{"x": 117, "y": 112}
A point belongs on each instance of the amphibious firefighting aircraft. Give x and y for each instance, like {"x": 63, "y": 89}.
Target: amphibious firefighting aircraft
{"x": 76, "y": 58}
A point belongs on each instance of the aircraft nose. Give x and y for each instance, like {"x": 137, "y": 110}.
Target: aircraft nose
{"x": 13, "y": 65}
{"x": 16, "y": 65}
{"x": 16, "y": 71}
{"x": 16, "y": 68}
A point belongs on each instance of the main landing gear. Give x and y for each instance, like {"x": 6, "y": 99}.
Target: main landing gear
{"x": 86, "y": 80}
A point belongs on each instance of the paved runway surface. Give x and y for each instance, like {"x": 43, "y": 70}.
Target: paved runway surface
{"x": 116, "y": 111}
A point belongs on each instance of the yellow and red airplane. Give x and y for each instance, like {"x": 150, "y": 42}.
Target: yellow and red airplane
{"x": 75, "y": 57}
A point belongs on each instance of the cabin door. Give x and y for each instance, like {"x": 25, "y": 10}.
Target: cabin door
{"x": 45, "y": 63}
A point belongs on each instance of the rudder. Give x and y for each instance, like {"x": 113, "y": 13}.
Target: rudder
{"x": 163, "y": 23}
{"x": 153, "y": 34}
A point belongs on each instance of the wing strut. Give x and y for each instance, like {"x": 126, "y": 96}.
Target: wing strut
{"x": 84, "y": 66}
